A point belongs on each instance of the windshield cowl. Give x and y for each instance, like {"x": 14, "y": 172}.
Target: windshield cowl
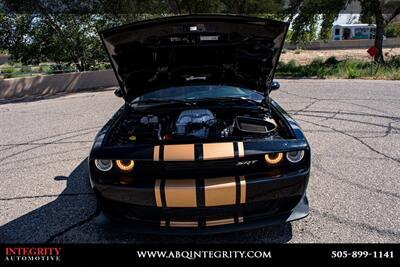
{"x": 205, "y": 94}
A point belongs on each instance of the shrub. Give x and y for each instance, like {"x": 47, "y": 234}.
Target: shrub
{"x": 355, "y": 68}
{"x": 8, "y": 70}
{"x": 25, "y": 69}
{"x": 317, "y": 62}
{"x": 44, "y": 68}
{"x": 394, "y": 61}
{"x": 288, "y": 68}
{"x": 60, "y": 68}
{"x": 9, "y": 75}
{"x": 349, "y": 69}
{"x": 292, "y": 64}
{"x": 331, "y": 61}
{"x": 101, "y": 66}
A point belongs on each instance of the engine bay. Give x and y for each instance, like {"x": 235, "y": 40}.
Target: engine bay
{"x": 192, "y": 124}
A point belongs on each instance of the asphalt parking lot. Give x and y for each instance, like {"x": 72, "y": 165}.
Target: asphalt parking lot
{"x": 353, "y": 127}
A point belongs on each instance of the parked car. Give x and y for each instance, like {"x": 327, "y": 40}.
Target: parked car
{"x": 199, "y": 146}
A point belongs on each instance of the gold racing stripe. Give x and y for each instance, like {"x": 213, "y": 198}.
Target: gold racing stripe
{"x": 220, "y": 222}
{"x": 156, "y": 153}
{"x": 186, "y": 152}
{"x": 180, "y": 193}
{"x": 179, "y": 152}
{"x": 242, "y": 189}
{"x": 213, "y": 222}
{"x": 218, "y": 151}
{"x": 220, "y": 191}
{"x": 240, "y": 149}
{"x": 157, "y": 193}
{"x": 183, "y": 223}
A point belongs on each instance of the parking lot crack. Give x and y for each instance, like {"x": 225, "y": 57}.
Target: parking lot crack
{"x": 69, "y": 228}
{"x": 332, "y": 116}
{"x": 48, "y": 195}
{"x": 361, "y": 186}
{"x": 355, "y": 138}
{"x": 353, "y": 224}
{"x": 305, "y": 108}
{"x": 301, "y": 96}
{"x": 386, "y": 133}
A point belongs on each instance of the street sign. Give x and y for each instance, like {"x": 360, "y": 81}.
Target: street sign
{"x": 372, "y": 51}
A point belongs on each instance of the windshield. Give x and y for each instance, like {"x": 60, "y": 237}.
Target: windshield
{"x": 200, "y": 92}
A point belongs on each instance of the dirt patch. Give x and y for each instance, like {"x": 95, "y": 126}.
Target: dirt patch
{"x": 306, "y": 56}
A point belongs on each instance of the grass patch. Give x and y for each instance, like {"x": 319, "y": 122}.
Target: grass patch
{"x": 347, "y": 69}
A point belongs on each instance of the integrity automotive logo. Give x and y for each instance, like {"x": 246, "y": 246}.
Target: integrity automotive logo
{"x": 32, "y": 254}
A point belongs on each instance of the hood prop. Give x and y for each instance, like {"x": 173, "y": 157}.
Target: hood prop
{"x": 267, "y": 98}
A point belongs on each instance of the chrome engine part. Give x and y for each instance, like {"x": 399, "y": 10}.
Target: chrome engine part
{"x": 194, "y": 122}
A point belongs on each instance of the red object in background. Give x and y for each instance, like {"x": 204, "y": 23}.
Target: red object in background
{"x": 372, "y": 51}
{"x": 168, "y": 137}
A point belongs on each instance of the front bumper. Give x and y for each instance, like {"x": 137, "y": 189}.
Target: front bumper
{"x": 116, "y": 224}
{"x": 196, "y": 206}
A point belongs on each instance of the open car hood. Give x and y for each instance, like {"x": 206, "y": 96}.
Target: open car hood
{"x": 195, "y": 49}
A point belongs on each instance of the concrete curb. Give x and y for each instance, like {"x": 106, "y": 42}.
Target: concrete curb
{"x": 55, "y": 84}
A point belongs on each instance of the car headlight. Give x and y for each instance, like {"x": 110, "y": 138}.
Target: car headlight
{"x": 295, "y": 156}
{"x": 103, "y": 164}
{"x": 125, "y": 165}
{"x": 273, "y": 158}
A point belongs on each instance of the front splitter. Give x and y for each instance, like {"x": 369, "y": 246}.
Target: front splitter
{"x": 113, "y": 224}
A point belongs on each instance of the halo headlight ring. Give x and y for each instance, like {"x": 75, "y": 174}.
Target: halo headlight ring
{"x": 295, "y": 156}
{"x": 273, "y": 158}
{"x": 103, "y": 165}
{"x": 125, "y": 165}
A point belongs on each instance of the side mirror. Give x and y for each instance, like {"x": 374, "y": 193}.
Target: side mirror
{"x": 118, "y": 92}
{"x": 275, "y": 85}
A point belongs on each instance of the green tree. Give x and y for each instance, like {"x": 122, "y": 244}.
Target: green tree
{"x": 38, "y": 33}
{"x": 65, "y": 31}
{"x": 383, "y": 13}
{"x": 393, "y": 30}
{"x": 305, "y": 13}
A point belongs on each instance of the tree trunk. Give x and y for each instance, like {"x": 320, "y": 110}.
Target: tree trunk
{"x": 79, "y": 65}
{"x": 380, "y": 30}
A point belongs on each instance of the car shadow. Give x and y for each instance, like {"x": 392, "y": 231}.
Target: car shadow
{"x": 70, "y": 218}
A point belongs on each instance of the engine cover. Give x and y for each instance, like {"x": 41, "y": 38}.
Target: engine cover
{"x": 194, "y": 122}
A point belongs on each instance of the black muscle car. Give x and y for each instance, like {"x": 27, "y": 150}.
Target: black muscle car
{"x": 198, "y": 146}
